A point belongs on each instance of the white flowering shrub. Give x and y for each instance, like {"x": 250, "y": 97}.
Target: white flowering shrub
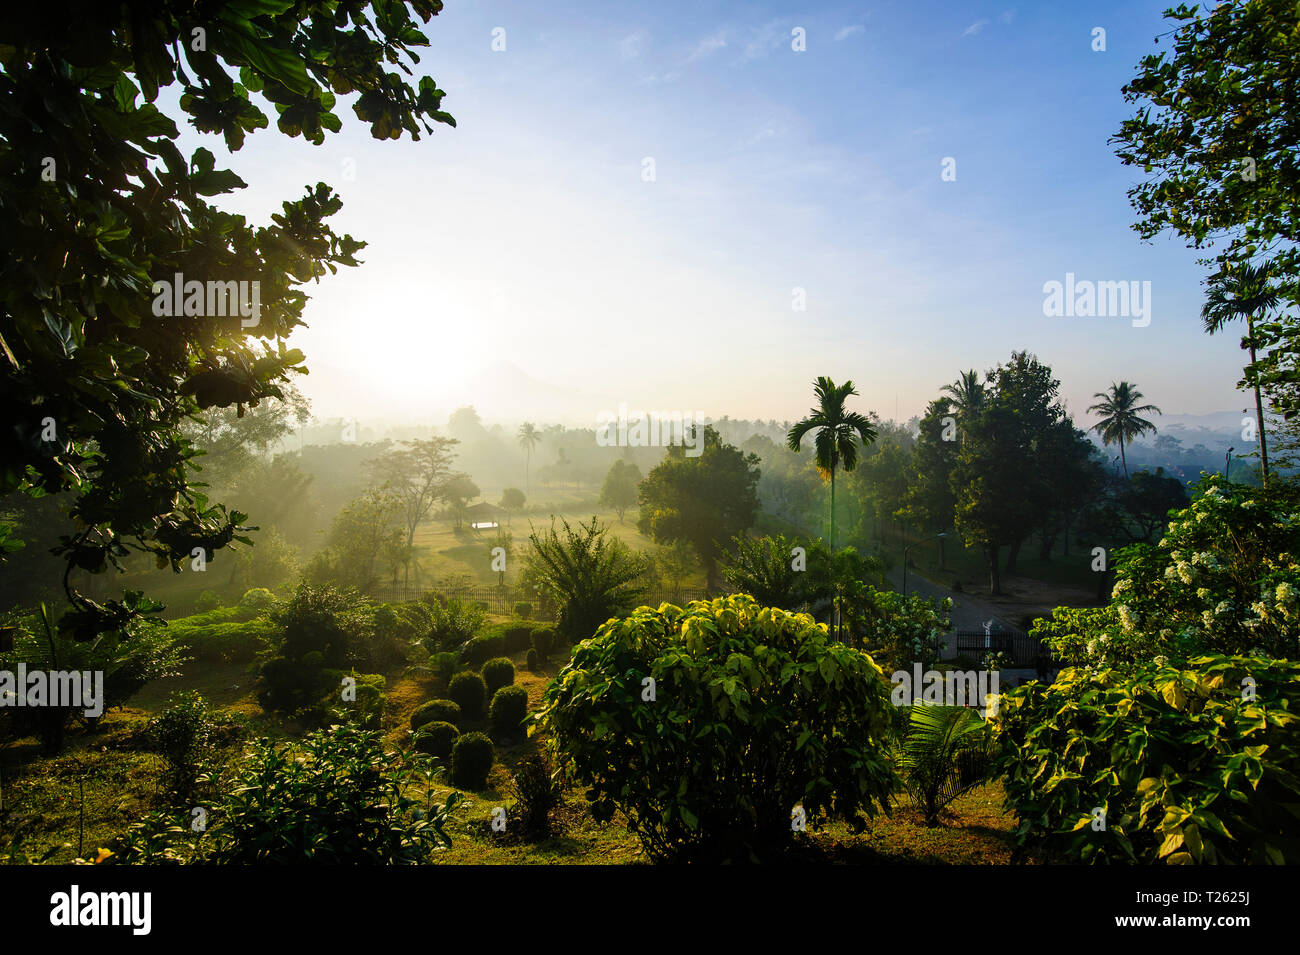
{"x": 1225, "y": 577}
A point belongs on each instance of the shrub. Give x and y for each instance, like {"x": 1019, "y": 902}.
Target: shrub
{"x": 756, "y": 710}
{"x": 591, "y": 574}
{"x": 336, "y": 797}
{"x": 908, "y": 629}
{"x": 497, "y": 673}
{"x": 470, "y": 693}
{"x": 482, "y": 648}
{"x": 523, "y": 609}
{"x": 182, "y": 734}
{"x": 509, "y": 709}
{"x": 436, "y": 739}
{"x": 1198, "y": 762}
{"x": 518, "y": 639}
{"x": 444, "y": 665}
{"x": 471, "y": 761}
{"x": 258, "y": 600}
{"x": 532, "y": 661}
{"x": 947, "y": 750}
{"x": 537, "y": 792}
{"x": 435, "y": 711}
{"x": 208, "y": 600}
{"x": 227, "y": 641}
{"x": 1222, "y": 580}
{"x": 368, "y": 707}
{"x": 452, "y": 624}
{"x": 544, "y": 641}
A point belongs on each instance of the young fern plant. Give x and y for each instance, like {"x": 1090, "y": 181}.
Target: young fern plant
{"x": 947, "y": 751}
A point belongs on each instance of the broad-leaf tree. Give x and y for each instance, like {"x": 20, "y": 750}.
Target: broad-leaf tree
{"x": 619, "y": 489}
{"x": 705, "y": 500}
{"x": 105, "y": 226}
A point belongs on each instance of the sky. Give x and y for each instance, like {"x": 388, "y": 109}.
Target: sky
{"x": 533, "y": 237}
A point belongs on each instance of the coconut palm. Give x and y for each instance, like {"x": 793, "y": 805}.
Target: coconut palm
{"x": 1243, "y": 292}
{"x": 837, "y": 430}
{"x": 1121, "y": 420}
{"x": 529, "y": 438}
{"x": 966, "y": 392}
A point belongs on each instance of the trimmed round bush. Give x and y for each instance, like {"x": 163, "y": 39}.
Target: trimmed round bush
{"x": 470, "y": 693}
{"x": 258, "y": 600}
{"x": 498, "y": 673}
{"x": 509, "y": 707}
{"x": 483, "y": 647}
{"x": 436, "y": 739}
{"x": 712, "y": 774}
{"x": 532, "y": 661}
{"x": 544, "y": 641}
{"x": 523, "y": 610}
{"x": 436, "y": 711}
{"x": 471, "y": 761}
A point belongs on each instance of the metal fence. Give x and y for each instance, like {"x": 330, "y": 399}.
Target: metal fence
{"x": 1023, "y": 649}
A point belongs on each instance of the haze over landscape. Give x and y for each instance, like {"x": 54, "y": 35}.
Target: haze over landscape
{"x": 529, "y": 235}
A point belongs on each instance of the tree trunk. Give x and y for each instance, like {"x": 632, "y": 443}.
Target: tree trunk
{"x": 1045, "y": 551}
{"x": 1259, "y": 405}
{"x": 1012, "y": 556}
{"x": 1123, "y": 460}
{"x": 995, "y": 580}
{"x": 943, "y": 563}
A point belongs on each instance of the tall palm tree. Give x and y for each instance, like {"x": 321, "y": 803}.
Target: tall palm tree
{"x": 836, "y": 430}
{"x": 1121, "y": 417}
{"x": 1243, "y": 292}
{"x": 529, "y": 438}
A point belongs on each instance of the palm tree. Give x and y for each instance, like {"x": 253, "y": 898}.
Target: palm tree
{"x": 1121, "y": 421}
{"x": 1243, "y": 292}
{"x": 967, "y": 393}
{"x": 836, "y": 429}
{"x": 529, "y": 438}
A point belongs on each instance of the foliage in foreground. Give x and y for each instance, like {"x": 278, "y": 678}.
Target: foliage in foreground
{"x": 947, "y": 751}
{"x": 1189, "y": 765}
{"x": 752, "y": 710}
{"x": 336, "y": 797}
{"x": 1225, "y": 578}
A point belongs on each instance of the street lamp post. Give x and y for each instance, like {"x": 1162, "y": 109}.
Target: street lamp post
{"x": 939, "y": 536}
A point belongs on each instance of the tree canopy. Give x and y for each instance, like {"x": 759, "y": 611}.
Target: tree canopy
{"x": 102, "y": 218}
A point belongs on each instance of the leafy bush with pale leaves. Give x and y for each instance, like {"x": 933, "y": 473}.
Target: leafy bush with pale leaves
{"x": 1192, "y": 763}
{"x": 751, "y": 711}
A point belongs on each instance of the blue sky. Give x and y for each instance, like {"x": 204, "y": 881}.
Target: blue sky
{"x": 529, "y": 235}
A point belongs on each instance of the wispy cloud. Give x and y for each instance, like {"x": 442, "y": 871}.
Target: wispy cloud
{"x": 975, "y": 28}
{"x": 764, "y": 40}
{"x": 845, "y": 32}
{"x": 707, "y": 46}
{"x": 1007, "y": 15}
{"x": 629, "y": 48}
